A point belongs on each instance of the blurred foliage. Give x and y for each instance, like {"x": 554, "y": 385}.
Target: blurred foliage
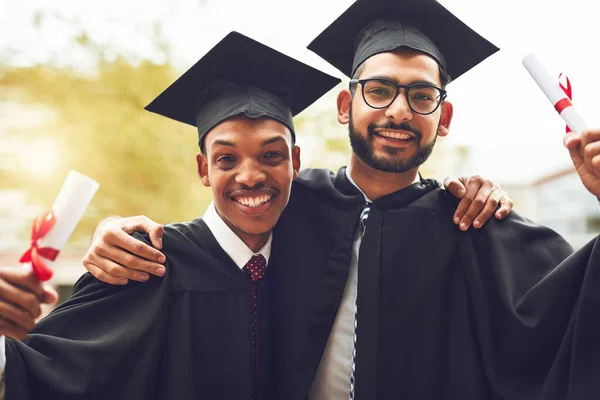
{"x": 145, "y": 164}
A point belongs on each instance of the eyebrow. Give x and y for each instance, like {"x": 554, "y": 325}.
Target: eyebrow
{"x": 223, "y": 143}
{"x": 263, "y": 143}
{"x": 417, "y": 82}
{"x": 273, "y": 140}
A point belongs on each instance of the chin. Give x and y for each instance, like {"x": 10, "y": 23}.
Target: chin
{"x": 257, "y": 227}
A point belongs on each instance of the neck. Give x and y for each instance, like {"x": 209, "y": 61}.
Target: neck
{"x": 375, "y": 183}
{"x": 254, "y": 242}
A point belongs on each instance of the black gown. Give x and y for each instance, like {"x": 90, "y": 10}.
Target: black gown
{"x": 184, "y": 336}
{"x": 503, "y": 312}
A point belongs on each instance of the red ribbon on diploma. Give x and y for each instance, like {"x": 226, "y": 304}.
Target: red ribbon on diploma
{"x": 566, "y": 102}
{"x": 41, "y": 227}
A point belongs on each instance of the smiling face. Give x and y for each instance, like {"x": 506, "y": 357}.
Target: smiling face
{"x": 394, "y": 139}
{"x": 250, "y": 166}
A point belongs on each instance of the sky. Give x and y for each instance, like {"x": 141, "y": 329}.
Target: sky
{"x": 513, "y": 132}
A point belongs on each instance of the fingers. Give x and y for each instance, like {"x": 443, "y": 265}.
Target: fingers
{"x": 464, "y": 204}
{"x": 506, "y": 206}
{"x": 104, "y": 276}
{"x": 156, "y": 235}
{"x": 490, "y": 207}
{"x": 590, "y": 150}
{"x": 8, "y": 328}
{"x": 480, "y": 201}
{"x": 21, "y": 296}
{"x": 117, "y": 238}
{"x": 50, "y": 296}
{"x": 480, "y": 198}
{"x": 144, "y": 224}
{"x": 115, "y": 257}
{"x": 573, "y": 143}
{"x": 455, "y": 186}
{"x": 473, "y": 201}
{"x": 111, "y": 258}
{"x": 20, "y": 299}
{"x": 16, "y": 316}
{"x": 23, "y": 278}
{"x": 101, "y": 264}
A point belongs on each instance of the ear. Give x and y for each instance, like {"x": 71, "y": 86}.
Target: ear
{"x": 344, "y": 100}
{"x": 445, "y": 119}
{"x": 202, "y": 164}
{"x": 296, "y": 161}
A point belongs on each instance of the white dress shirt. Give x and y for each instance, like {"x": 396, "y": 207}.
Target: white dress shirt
{"x": 332, "y": 381}
{"x": 235, "y": 248}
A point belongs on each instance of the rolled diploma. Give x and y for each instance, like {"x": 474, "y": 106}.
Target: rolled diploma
{"x": 554, "y": 93}
{"x": 72, "y": 201}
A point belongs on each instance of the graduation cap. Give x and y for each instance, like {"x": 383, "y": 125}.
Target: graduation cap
{"x": 241, "y": 76}
{"x": 371, "y": 27}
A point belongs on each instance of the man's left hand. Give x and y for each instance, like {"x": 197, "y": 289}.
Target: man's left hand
{"x": 479, "y": 201}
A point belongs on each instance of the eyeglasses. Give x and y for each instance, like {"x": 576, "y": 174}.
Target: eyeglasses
{"x": 379, "y": 93}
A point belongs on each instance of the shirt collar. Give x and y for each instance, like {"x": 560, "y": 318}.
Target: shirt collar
{"x": 235, "y": 248}
{"x": 349, "y": 176}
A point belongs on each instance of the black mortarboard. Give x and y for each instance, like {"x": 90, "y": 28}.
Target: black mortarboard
{"x": 371, "y": 27}
{"x": 241, "y": 76}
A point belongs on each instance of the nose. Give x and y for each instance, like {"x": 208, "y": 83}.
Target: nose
{"x": 399, "y": 110}
{"x": 250, "y": 174}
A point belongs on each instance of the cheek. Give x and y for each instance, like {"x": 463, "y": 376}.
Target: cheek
{"x": 430, "y": 124}
{"x": 283, "y": 176}
{"x": 363, "y": 115}
{"x": 219, "y": 180}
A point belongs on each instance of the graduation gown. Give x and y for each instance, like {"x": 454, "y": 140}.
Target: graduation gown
{"x": 503, "y": 312}
{"x": 184, "y": 336}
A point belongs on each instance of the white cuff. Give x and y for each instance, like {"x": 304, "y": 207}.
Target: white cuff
{"x": 2, "y": 366}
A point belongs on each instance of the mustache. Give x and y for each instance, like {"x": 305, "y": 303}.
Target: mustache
{"x": 245, "y": 190}
{"x": 405, "y": 126}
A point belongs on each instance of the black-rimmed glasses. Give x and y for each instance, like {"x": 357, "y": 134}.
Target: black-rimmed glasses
{"x": 422, "y": 98}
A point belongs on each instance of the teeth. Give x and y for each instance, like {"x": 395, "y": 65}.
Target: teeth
{"x": 395, "y": 135}
{"x": 253, "y": 201}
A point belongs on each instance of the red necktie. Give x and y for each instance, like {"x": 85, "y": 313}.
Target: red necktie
{"x": 255, "y": 269}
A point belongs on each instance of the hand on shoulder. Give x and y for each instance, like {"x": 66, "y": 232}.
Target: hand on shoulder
{"x": 115, "y": 257}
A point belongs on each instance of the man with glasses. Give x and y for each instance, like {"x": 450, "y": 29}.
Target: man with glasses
{"x": 377, "y": 294}
{"x": 380, "y": 93}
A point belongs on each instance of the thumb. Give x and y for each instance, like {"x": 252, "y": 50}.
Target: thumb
{"x": 156, "y": 235}
{"x": 49, "y": 295}
{"x": 573, "y": 143}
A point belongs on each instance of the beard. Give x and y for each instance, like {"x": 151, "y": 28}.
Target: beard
{"x": 392, "y": 160}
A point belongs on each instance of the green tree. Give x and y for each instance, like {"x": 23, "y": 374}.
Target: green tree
{"x": 144, "y": 163}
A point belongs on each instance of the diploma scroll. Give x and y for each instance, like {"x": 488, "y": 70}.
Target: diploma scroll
{"x": 51, "y": 231}
{"x": 554, "y": 93}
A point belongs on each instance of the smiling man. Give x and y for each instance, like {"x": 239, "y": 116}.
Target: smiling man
{"x": 375, "y": 293}
{"x": 202, "y": 331}
{"x": 248, "y": 199}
